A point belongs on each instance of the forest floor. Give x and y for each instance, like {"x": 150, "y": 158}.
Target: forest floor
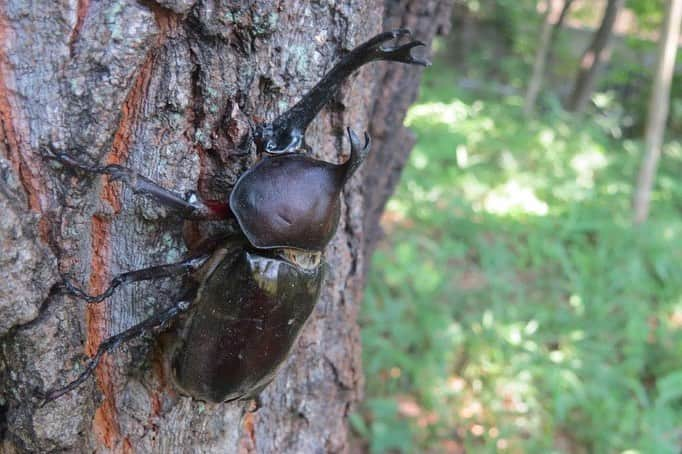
{"x": 512, "y": 306}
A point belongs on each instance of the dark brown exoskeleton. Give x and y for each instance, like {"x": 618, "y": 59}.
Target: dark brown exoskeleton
{"x": 247, "y": 295}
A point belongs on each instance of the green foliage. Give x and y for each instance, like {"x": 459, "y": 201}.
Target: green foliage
{"x": 513, "y": 306}
{"x": 514, "y": 24}
{"x": 649, "y": 12}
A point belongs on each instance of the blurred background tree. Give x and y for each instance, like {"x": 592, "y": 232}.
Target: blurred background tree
{"x": 659, "y": 105}
{"x": 541, "y": 56}
{"x": 596, "y": 52}
{"x": 512, "y": 305}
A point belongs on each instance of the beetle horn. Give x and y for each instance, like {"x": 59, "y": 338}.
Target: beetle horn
{"x": 358, "y": 153}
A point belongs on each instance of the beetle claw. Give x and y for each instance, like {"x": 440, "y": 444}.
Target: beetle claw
{"x": 378, "y": 40}
{"x": 396, "y": 53}
{"x": 403, "y": 54}
{"x": 77, "y": 292}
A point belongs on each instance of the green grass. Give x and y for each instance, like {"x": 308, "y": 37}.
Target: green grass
{"x": 512, "y": 306}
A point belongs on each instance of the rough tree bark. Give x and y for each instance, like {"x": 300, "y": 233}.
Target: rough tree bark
{"x": 596, "y": 52}
{"x": 165, "y": 87}
{"x": 659, "y": 105}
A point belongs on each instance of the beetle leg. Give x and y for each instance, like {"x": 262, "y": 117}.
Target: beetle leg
{"x": 189, "y": 207}
{"x": 145, "y": 274}
{"x": 286, "y": 133}
{"x": 112, "y": 342}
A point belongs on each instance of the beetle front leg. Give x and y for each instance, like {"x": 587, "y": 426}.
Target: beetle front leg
{"x": 189, "y": 207}
{"x": 145, "y": 274}
{"x": 285, "y": 134}
{"x": 112, "y": 342}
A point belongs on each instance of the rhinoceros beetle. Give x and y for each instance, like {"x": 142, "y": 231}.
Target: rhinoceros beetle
{"x": 248, "y": 293}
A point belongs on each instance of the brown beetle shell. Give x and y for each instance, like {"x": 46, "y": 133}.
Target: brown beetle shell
{"x": 247, "y": 314}
{"x": 289, "y": 201}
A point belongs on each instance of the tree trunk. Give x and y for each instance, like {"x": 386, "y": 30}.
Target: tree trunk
{"x": 590, "y": 62}
{"x": 659, "y": 104}
{"x": 555, "y": 34}
{"x": 548, "y": 58}
{"x": 535, "y": 83}
{"x": 396, "y": 89}
{"x": 166, "y": 87}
